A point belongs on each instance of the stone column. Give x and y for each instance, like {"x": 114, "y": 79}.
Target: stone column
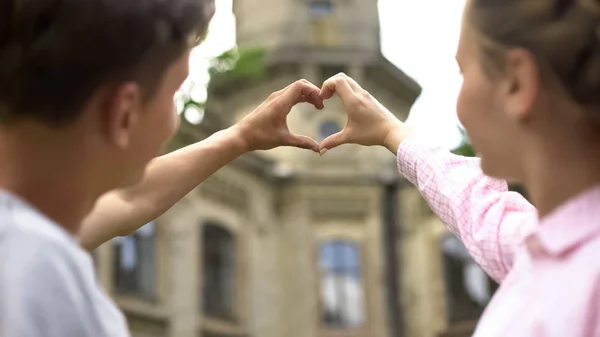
{"x": 357, "y": 72}
{"x": 184, "y": 242}
{"x": 104, "y": 267}
{"x": 297, "y": 263}
{"x": 310, "y": 72}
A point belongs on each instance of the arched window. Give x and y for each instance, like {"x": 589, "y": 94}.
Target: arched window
{"x": 218, "y": 276}
{"x": 320, "y": 8}
{"x": 324, "y": 25}
{"x": 328, "y": 128}
{"x": 135, "y": 263}
{"x": 341, "y": 284}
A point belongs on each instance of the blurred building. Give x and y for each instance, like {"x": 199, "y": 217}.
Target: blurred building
{"x": 286, "y": 243}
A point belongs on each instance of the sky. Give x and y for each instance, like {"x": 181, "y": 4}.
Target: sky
{"x": 418, "y": 36}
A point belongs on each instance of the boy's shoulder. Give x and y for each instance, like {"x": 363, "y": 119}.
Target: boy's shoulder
{"x": 30, "y": 242}
{"x": 27, "y": 254}
{"x": 47, "y": 281}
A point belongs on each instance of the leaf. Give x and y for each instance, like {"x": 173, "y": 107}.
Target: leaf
{"x": 238, "y": 64}
{"x": 465, "y": 149}
{"x": 233, "y": 64}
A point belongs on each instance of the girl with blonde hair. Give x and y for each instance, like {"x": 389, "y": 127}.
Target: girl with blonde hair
{"x": 530, "y": 102}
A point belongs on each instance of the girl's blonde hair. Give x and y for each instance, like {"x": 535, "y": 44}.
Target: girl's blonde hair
{"x": 563, "y": 36}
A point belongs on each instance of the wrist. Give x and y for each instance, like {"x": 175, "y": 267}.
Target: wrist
{"x": 396, "y": 134}
{"x": 234, "y": 140}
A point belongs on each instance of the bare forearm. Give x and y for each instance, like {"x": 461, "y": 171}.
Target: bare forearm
{"x": 397, "y": 133}
{"x": 168, "y": 179}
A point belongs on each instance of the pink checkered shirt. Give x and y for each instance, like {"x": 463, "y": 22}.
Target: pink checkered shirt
{"x": 548, "y": 269}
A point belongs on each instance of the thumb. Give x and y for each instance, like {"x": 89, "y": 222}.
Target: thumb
{"x": 332, "y": 141}
{"x": 303, "y": 142}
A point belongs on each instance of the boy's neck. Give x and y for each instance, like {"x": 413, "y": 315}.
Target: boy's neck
{"x": 49, "y": 173}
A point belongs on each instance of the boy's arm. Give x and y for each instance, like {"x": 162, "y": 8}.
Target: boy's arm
{"x": 169, "y": 178}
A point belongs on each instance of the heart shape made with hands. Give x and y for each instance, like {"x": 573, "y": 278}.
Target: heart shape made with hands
{"x": 303, "y": 91}
{"x": 266, "y": 126}
{"x": 317, "y": 97}
{"x": 368, "y": 122}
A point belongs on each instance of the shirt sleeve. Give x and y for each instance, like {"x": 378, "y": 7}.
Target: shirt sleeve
{"x": 490, "y": 220}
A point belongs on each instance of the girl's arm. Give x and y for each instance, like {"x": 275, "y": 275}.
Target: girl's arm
{"x": 490, "y": 220}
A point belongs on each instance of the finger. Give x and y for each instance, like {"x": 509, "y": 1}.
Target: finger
{"x": 337, "y": 84}
{"x": 303, "y": 142}
{"x": 279, "y": 92}
{"x": 295, "y": 92}
{"x": 352, "y": 82}
{"x": 332, "y": 141}
{"x": 328, "y": 88}
{"x": 315, "y": 96}
{"x": 315, "y": 99}
{"x": 273, "y": 96}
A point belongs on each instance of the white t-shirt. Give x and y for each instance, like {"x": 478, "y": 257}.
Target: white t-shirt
{"x": 47, "y": 281}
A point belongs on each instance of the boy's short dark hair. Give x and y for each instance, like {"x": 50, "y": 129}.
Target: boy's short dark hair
{"x": 55, "y": 53}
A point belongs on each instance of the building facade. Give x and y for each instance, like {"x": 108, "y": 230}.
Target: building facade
{"x": 288, "y": 243}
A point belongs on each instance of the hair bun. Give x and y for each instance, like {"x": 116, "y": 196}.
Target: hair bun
{"x": 563, "y": 34}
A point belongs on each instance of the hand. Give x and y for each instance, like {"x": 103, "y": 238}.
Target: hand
{"x": 369, "y": 122}
{"x": 266, "y": 127}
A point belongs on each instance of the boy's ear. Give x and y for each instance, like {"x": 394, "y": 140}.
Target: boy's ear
{"x": 122, "y": 113}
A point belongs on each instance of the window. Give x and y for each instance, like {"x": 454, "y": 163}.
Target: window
{"x": 320, "y": 8}
{"x": 324, "y": 26}
{"x": 135, "y": 263}
{"x": 328, "y": 128}
{"x": 328, "y": 71}
{"x": 219, "y": 272}
{"x": 468, "y": 287}
{"x": 341, "y": 285}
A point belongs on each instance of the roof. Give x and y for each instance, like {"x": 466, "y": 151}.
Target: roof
{"x": 286, "y": 59}
{"x": 406, "y": 87}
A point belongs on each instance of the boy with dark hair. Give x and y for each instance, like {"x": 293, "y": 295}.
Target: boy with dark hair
{"x": 86, "y": 101}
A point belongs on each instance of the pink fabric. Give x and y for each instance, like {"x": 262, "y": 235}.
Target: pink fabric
{"x": 548, "y": 269}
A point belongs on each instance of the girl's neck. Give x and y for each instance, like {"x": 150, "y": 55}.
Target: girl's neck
{"x": 560, "y": 172}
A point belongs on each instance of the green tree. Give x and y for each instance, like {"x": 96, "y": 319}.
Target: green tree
{"x": 231, "y": 66}
{"x": 465, "y": 149}
{"x": 236, "y": 64}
